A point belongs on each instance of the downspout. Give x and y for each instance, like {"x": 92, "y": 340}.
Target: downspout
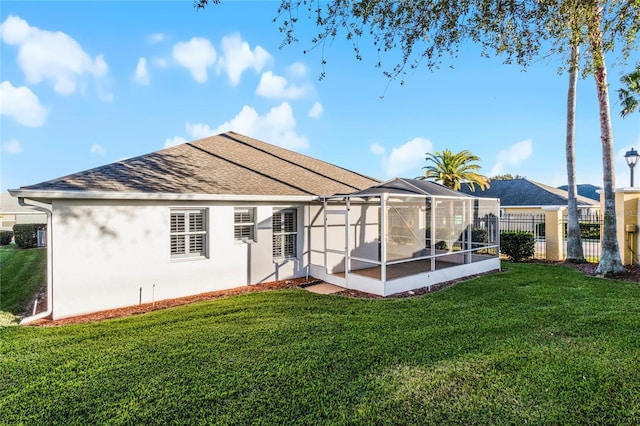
{"x": 48, "y": 209}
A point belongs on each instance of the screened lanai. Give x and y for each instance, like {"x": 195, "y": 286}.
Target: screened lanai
{"x": 402, "y": 235}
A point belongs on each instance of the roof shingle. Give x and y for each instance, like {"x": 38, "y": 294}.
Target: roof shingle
{"x": 524, "y": 192}
{"x": 225, "y": 164}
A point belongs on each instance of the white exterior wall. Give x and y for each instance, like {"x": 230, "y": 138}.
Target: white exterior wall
{"x": 104, "y": 252}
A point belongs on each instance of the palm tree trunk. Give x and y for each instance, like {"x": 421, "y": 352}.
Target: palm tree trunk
{"x": 610, "y": 258}
{"x": 574, "y": 240}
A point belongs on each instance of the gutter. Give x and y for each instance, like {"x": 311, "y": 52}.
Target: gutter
{"x": 46, "y": 208}
{"x": 108, "y": 195}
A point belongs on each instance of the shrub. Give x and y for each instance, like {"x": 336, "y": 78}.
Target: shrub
{"x": 517, "y": 245}
{"x": 26, "y": 235}
{"x": 5, "y": 238}
{"x": 479, "y": 235}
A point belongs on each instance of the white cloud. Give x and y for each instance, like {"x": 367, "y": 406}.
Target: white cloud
{"x": 12, "y": 146}
{"x": 196, "y": 55}
{"x": 97, "y": 149}
{"x": 142, "y": 75}
{"x": 54, "y": 57}
{"x": 176, "y": 140}
{"x": 156, "y": 38}
{"x": 316, "y": 110}
{"x": 377, "y": 149}
{"x": 512, "y": 156}
{"x": 297, "y": 70}
{"x": 407, "y": 158}
{"x": 22, "y": 105}
{"x": 277, "y": 87}
{"x": 199, "y": 131}
{"x": 237, "y": 57}
{"x": 276, "y": 127}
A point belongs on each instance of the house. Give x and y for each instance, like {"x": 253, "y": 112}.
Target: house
{"x": 524, "y": 196}
{"x": 11, "y": 213}
{"x": 229, "y": 210}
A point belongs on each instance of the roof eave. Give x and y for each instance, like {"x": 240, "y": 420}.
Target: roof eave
{"x": 104, "y": 195}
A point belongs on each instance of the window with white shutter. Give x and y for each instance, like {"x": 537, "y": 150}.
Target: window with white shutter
{"x": 188, "y": 228}
{"x": 244, "y": 225}
{"x": 285, "y": 234}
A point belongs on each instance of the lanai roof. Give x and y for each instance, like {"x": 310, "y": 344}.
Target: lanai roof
{"x": 225, "y": 164}
{"x": 404, "y": 186}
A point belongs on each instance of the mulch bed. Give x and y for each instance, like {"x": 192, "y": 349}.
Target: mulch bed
{"x": 632, "y": 275}
{"x": 163, "y": 304}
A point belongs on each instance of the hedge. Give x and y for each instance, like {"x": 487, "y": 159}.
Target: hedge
{"x": 26, "y": 235}
{"x": 588, "y": 231}
{"x": 517, "y": 245}
{"x": 5, "y": 238}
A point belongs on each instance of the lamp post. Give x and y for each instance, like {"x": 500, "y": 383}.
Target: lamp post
{"x": 631, "y": 157}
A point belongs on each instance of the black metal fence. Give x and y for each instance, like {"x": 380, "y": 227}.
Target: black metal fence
{"x": 590, "y": 228}
{"x": 533, "y": 223}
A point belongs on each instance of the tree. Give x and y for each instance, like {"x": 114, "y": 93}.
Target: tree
{"x": 575, "y": 253}
{"x": 423, "y": 31}
{"x": 507, "y": 176}
{"x": 629, "y": 95}
{"x": 451, "y": 169}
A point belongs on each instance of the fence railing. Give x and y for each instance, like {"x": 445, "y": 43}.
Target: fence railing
{"x": 590, "y": 228}
{"x": 533, "y": 223}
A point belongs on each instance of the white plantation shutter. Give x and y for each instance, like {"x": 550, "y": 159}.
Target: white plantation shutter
{"x": 188, "y": 233}
{"x": 244, "y": 224}
{"x": 285, "y": 234}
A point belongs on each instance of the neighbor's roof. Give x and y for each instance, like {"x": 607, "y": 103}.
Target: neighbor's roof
{"x": 524, "y": 192}
{"x": 225, "y": 164}
{"x": 586, "y": 190}
{"x": 404, "y": 186}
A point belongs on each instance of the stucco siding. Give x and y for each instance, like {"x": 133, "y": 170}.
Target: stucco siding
{"x": 108, "y": 255}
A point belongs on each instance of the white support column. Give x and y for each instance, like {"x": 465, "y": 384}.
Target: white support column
{"x": 324, "y": 212}
{"x": 432, "y": 226}
{"x": 347, "y": 255}
{"x": 383, "y": 237}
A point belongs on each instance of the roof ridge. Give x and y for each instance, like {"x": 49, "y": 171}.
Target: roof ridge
{"x": 227, "y": 135}
{"x": 559, "y": 192}
{"x": 248, "y": 168}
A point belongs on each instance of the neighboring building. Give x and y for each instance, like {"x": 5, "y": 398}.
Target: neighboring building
{"x": 523, "y": 196}
{"x": 11, "y": 212}
{"x": 586, "y": 190}
{"x": 229, "y": 210}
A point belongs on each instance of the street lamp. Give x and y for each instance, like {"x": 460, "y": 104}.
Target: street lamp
{"x": 632, "y": 158}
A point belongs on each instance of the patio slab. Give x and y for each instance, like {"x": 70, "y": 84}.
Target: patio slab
{"x": 324, "y": 288}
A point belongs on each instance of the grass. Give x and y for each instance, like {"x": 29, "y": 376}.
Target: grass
{"x": 539, "y": 344}
{"x": 22, "y": 275}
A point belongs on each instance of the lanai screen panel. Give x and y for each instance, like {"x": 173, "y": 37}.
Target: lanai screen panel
{"x": 407, "y": 225}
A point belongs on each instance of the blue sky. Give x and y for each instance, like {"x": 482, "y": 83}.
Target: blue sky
{"x": 84, "y": 84}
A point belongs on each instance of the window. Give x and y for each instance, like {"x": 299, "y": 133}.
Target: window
{"x": 244, "y": 225}
{"x": 188, "y": 233}
{"x": 285, "y": 234}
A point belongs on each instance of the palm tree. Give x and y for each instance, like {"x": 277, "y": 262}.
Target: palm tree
{"x": 574, "y": 240}
{"x": 451, "y": 169}
{"x": 630, "y": 95}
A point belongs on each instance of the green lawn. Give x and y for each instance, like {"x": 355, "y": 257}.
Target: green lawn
{"x": 537, "y": 344}
{"x": 22, "y": 275}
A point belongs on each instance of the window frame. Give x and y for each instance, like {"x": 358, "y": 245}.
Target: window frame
{"x": 283, "y": 233}
{"x": 187, "y": 233}
{"x": 252, "y": 224}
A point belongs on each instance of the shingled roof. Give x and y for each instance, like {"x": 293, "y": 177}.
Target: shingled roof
{"x": 524, "y": 192}
{"x": 225, "y": 164}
